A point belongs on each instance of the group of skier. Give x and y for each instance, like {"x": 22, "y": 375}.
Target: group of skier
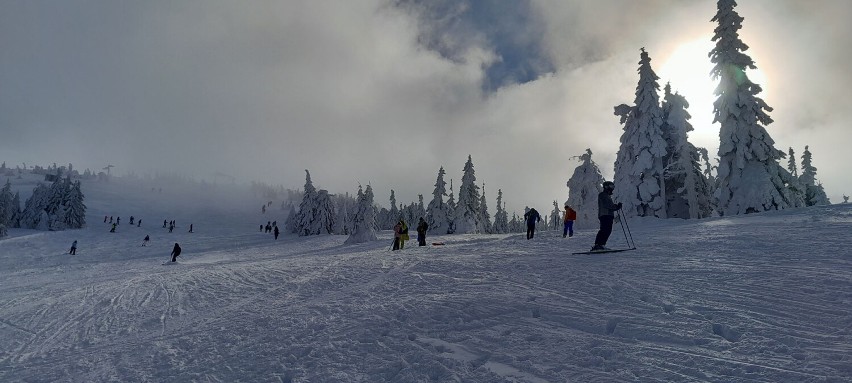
{"x": 606, "y": 215}
{"x": 271, "y": 227}
{"x": 400, "y": 233}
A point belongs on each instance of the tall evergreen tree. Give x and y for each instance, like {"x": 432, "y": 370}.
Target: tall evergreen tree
{"x": 75, "y": 209}
{"x": 639, "y": 164}
{"x": 583, "y": 189}
{"x": 485, "y": 225}
{"x": 468, "y": 216}
{"x": 452, "y": 206}
{"x": 364, "y": 225}
{"x": 814, "y": 193}
{"x": 501, "y": 217}
{"x": 687, "y": 190}
{"x": 34, "y": 215}
{"x": 308, "y": 209}
{"x": 555, "y": 216}
{"x": 792, "y": 167}
{"x": 436, "y": 212}
{"x": 750, "y": 179}
{"x": 6, "y": 203}
{"x": 325, "y": 217}
{"x": 393, "y": 214}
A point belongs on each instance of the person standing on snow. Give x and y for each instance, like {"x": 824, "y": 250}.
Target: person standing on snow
{"x": 397, "y": 235}
{"x": 276, "y": 232}
{"x": 175, "y": 252}
{"x": 606, "y": 214}
{"x": 531, "y": 217}
{"x": 145, "y": 242}
{"x": 73, "y": 250}
{"x": 422, "y": 226}
{"x": 403, "y": 233}
{"x": 570, "y": 217}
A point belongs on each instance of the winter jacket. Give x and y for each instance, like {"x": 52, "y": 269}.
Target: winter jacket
{"x": 570, "y": 214}
{"x": 606, "y": 208}
{"x": 532, "y": 217}
{"x": 397, "y": 230}
{"x": 404, "y": 232}
{"x": 422, "y": 227}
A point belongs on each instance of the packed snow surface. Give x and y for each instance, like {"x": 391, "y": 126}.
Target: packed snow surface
{"x": 757, "y": 298}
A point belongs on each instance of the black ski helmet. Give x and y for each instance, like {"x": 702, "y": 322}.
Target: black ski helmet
{"x": 608, "y": 185}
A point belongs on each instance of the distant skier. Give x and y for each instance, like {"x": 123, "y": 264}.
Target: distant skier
{"x": 531, "y": 217}
{"x": 139, "y": 223}
{"x": 73, "y": 250}
{"x": 171, "y": 227}
{"x": 190, "y": 228}
{"x": 145, "y": 242}
{"x": 397, "y": 235}
{"x": 118, "y": 220}
{"x": 110, "y": 219}
{"x": 570, "y": 217}
{"x": 131, "y": 219}
{"x": 113, "y": 229}
{"x": 276, "y": 232}
{"x": 261, "y": 228}
{"x": 175, "y": 252}
{"x": 164, "y": 223}
{"x": 422, "y": 226}
{"x": 105, "y": 219}
{"x": 606, "y": 214}
{"x": 403, "y": 234}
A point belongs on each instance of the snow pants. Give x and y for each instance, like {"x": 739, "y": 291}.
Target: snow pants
{"x": 421, "y": 239}
{"x": 530, "y": 230}
{"x": 569, "y": 229}
{"x": 605, "y": 231}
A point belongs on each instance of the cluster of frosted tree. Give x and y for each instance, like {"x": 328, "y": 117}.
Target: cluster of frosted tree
{"x": 806, "y": 185}
{"x": 657, "y": 170}
{"x": 56, "y": 207}
{"x": 322, "y": 213}
{"x": 10, "y": 208}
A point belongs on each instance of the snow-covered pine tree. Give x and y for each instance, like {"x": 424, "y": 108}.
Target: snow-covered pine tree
{"x": 792, "y": 167}
{"x": 344, "y": 211}
{"x": 75, "y": 209}
{"x": 639, "y": 182}
{"x": 325, "y": 214}
{"x": 451, "y": 210}
{"x": 304, "y": 220}
{"x": 6, "y": 203}
{"x": 814, "y": 193}
{"x": 687, "y": 191}
{"x": 394, "y": 213}
{"x": 364, "y": 221}
{"x": 467, "y": 218}
{"x": 35, "y": 208}
{"x": 555, "y": 216}
{"x": 436, "y": 212}
{"x": 501, "y": 217}
{"x": 420, "y": 211}
{"x": 750, "y": 179}
{"x": 583, "y": 189}
{"x": 485, "y": 225}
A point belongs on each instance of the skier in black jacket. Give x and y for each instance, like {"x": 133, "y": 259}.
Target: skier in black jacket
{"x": 175, "y": 252}
{"x": 606, "y": 214}
{"x": 531, "y": 217}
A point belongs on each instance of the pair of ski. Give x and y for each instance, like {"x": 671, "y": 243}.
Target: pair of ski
{"x": 603, "y": 251}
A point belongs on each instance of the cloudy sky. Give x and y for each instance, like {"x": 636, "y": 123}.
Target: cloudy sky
{"x": 386, "y": 92}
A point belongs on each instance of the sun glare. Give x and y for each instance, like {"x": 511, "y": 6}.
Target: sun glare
{"x": 688, "y": 68}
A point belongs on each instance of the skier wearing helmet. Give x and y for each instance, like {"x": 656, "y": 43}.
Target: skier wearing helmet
{"x": 606, "y": 214}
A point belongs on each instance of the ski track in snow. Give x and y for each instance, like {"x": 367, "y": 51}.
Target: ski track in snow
{"x": 763, "y": 298}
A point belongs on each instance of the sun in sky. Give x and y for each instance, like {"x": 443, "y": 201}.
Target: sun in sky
{"x": 688, "y": 68}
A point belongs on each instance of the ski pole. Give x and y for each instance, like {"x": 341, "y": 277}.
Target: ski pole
{"x": 626, "y": 229}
